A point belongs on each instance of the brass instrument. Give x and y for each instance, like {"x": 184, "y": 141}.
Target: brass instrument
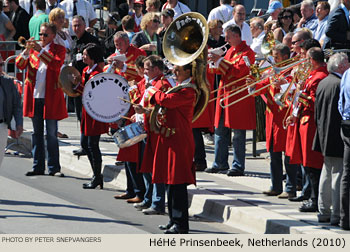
{"x": 185, "y": 41}
{"x": 299, "y": 78}
{"x": 329, "y": 52}
{"x": 261, "y": 71}
{"x": 268, "y": 43}
{"x": 22, "y": 42}
{"x": 67, "y": 80}
{"x": 277, "y": 72}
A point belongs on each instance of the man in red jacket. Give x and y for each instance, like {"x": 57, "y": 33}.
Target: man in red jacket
{"x": 43, "y": 98}
{"x": 239, "y": 117}
{"x": 312, "y": 161}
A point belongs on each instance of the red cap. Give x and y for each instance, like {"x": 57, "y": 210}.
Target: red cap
{"x": 138, "y": 2}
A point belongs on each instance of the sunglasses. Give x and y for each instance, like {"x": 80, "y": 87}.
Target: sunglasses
{"x": 44, "y": 34}
{"x": 287, "y": 17}
{"x": 156, "y": 20}
{"x": 294, "y": 42}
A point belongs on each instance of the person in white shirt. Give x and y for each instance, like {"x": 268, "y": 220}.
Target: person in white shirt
{"x": 222, "y": 12}
{"x": 239, "y": 15}
{"x": 322, "y": 13}
{"x": 52, "y": 4}
{"x": 258, "y": 33}
{"x": 179, "y": 8}
{"x": 28, "y": 5}
{"x": 83, "y": 8}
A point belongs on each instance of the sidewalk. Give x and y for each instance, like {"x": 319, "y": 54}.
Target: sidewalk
{"x": 235, "y": 201}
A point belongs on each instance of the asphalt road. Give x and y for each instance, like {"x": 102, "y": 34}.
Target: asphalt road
{"x": 54, "y": 205}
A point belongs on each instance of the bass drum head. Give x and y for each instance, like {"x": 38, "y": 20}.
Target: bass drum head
{"x": 101, "y": 97}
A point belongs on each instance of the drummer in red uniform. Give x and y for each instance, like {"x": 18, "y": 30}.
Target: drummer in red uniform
{"x": 91, "y": 129}
{"x": 130, "y": 155}
{"x": 173, "y": 158}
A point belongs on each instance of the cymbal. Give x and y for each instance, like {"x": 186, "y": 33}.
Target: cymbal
{"x": 66, "y": 80}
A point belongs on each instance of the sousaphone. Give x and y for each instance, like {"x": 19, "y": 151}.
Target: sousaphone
{"x": 185, "y": 41}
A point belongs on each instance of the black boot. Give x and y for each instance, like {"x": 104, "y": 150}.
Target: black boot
{"x": 97, "y": 179}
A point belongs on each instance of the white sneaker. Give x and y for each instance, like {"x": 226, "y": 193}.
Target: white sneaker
{"x": 208, "y": 139}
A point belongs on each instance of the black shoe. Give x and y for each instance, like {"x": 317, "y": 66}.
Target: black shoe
{"x": 59, "y": 174}
{"x": 96, "y": 181}
{"x": 234, "y": 173}
{"x": 215, "y": 170}
{"x": 200, "y": 167}
{"x": 79, "y": 152}
{"x": 175, "y": 230}
{"x": 308, "y": 206}
{"x": 299, "y": 198}
{"x": 34, "y": 173}
{"x": 165, "y": 227}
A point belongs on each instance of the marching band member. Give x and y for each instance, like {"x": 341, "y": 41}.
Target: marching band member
{"x": 312, "y": 161}
{"x": 173, "y": 157}
{"x": 91, "y": 129}
{"x": 275, "y": 133}
{"x": 130, "y": 155}
{"x": 43, "y": 99}
{"x": 239, "y": 117}
{"x": 154, "y": 200}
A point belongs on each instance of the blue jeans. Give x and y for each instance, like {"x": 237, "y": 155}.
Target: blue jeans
{"x": 155, "y": 193}
{"x": 38, "y": 145}
{"x": 306, "y": 191}
{"x": 222, "y": 140}
{"x": 199, "y": 153}
{"x": 291, "y": 180}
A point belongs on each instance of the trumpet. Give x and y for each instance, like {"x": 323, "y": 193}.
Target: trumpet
{"x": 22, "y": 42}
{"x": 277, "y": 72}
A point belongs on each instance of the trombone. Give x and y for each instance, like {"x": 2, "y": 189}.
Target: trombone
{"x": 253, "y": 69}
{"x": 277, "y": 71}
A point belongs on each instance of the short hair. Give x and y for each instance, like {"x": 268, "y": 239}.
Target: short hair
{"x": 95, "y": 52}
{"x": 16, "y": 1}
{"x": 316, "y": 54}
{"x": 121, "y": 34}
{"x": 147, "y": 18}
{"x": 80, "y": 18}
{"x": 40, "y": 4}
{"x": 225, "y": 1}
{"x": 335, "y": 61}
{"x": 304, "y": 34}
{"x": 282, "y": 49}
{"x": 325, "y": 5}
{"x": 139, "y": 61}
{"x": 308, "y": 3}
{"x": 213, "y": 23}
{"x": 50, "y": 26}
{"x": 234, "y": 29}
{"x": 128, "y": 22}
{"x": 156, "y": 61}
{"x": 55, "y": 13}
{"x": 155, "y": 3}
{"x": 259, "y": 22}
{"x": 309, "y": 43}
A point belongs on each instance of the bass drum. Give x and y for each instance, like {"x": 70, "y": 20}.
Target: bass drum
{"x": 101, "y": 97}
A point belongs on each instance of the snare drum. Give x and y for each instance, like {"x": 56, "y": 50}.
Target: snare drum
{"x": 130, "y": 135}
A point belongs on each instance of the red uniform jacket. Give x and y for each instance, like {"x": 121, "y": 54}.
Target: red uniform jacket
{"x": 88, "y": 125}
{"x": 148, "y": 156}
{"x": 242, "y": 115}
{"x": 274, "y": 115}
{"x": 55, "y": 105}
{"x": 307, "y": 128}
{"x": 173, "y": 156}
{"x": 206, "y": 119}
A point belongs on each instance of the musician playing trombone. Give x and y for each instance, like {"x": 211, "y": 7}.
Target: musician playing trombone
{"x": 239, "y": 117}
{"x": 303, "y": 119}
{"x": 275, "y": 133}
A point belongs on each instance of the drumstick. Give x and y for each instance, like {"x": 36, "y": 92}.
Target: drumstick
{"x": 127, "y": 118}
{"x": 127, "y": 101}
